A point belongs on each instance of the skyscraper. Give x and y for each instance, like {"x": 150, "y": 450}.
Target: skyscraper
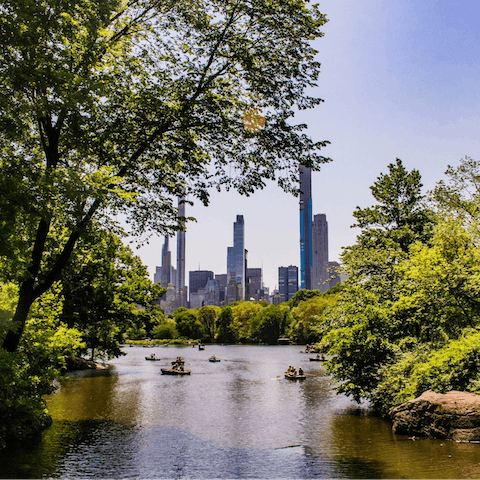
{"x": 253, "y": 283}
{"x": 236, "y": 258}
{"x": 180, "y": 288}
{"x": 166, "y": 273}
{"x": 198, "y": 279}
{"x": 287, "y": 282}
{"x": 166, "y": 264}
{"x": 305, "y": 227}
{"x": 320, "y": 274}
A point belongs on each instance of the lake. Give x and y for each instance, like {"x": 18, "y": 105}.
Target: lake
{"x": 237, "y": 418}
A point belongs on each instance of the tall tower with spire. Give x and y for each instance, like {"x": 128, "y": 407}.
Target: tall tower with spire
{"x": 180, "y": 288}
{"x": 166, "y": 271}
{"x": 237, "y": 259}
{"x": 306, "y": 247}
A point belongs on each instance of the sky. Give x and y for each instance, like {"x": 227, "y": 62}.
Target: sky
{"x": 400, "y": 79}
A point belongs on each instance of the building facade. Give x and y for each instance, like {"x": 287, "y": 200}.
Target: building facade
{"x": 198, "y": 279}
{"x": 305, "y": 227}
{"x": 287, "y": 282}
{"x": 221, "y": 278}
{"x": 253, "y": 283}
{"x": 237, "y": 260}
{"x": 164, "y": 273}
{"x": 320, "y": 267}
{"x": 180, "y": 287}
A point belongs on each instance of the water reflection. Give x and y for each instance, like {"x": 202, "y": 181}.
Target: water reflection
{"x": 238, "y": 418}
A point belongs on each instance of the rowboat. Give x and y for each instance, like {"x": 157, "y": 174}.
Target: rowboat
{"x": 213, "y": 358}
{"x": 174, "y": 371}
{"x": 294, "y": 377}
{"x": 152, "y": 359}
{"x": 317, "y": 359}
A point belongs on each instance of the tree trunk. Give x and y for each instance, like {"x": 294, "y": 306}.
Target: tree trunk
{"x": 25, "y": 300}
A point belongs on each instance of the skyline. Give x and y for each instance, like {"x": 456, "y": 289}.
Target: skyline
{"x": 399, "y": 79}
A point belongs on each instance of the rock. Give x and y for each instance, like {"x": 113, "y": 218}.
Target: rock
{"x": 79, "y": 363}
{"x": 453, "y": 416}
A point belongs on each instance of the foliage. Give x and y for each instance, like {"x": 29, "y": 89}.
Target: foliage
{"x": 242, "y": 315}
{"x": 29, "y": 374}
{"x": 207, "y": 316}
{"x": 399, "y": 213}
{"x": 226, "y": 334}
{"x": 303, "y": 295}
{"x": 460, "y": 196}
{"x": 115, "y": 107}
{"x": 165, "y": 330}
{"x": 358, "y": 341}
{"x": 270, "y": 324}
{"x": 388, "y": 229}
{"x": 426, "y": 339}
{"x": 108, "y": 294}
{"x": 307, "y": 318}
{"x": 377, "y": 320}
{"x": 22, "y": 408}
{"x": 47, "y": 339}
{"x": 188, "y": 326}
{"x": 8, "y": 302}
{"x": 454, "y": 366}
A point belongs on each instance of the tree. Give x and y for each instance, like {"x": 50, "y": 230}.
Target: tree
{"x": 31, "y": 373}
{"x": 242, "y": 315}
{"x": 460, "y": 195}
{"x": 366, "y": 329}
{"x": 303, "y": 295}
{"x": 207, "y": 316}
{"x": 307, "y": 322}
{"x": 109, "y": 106}
{"x": 188, "y": 326}
{"x": 388, "y": 229}
{"x": 226, "y": 334}
{"x": 271, "y": 323}
{"x": 107, "y": 293}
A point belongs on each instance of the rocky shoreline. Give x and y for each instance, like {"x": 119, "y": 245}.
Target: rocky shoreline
{"x": 451, "y": 416}
{"x": 79, "y": 363}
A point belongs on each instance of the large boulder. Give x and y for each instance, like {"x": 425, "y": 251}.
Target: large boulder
{"x": 79, "y": 363}
{"x": 453, "y": 416}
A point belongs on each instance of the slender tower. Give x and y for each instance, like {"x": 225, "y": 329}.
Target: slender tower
{"x": 166, "y": 264}
{"x": 180, "y": 288}
{"x": 305, "y": 227}
{"x": 320, "y": 273}
{"x": 236, "y": 257}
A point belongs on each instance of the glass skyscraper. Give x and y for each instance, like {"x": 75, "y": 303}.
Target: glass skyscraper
{"x": 306, "y": 255}
{"x": 236, "y": 257}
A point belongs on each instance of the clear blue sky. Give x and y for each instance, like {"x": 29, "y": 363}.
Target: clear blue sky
{"x": 400, "y": 79}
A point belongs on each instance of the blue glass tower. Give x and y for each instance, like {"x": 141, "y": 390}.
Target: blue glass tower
{"x": 236, "y": 257}
{"x": 306, "y": 239}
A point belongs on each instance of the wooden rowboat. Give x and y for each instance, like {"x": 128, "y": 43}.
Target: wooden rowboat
{"x": 152, "y": 359}
{"x": 174, "y": 371}
{"x": 213, "y": 358}
{"x": 295, "y": 377}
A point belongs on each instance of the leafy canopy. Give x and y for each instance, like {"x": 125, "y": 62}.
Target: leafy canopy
{"x": 115, "y": 107}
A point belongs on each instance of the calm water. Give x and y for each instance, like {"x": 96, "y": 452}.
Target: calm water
{"x": 238, "y": 418}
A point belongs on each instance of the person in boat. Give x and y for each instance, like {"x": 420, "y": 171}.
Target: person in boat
{"x": 152, "y": 355}
{"x": 300, "y": 371}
